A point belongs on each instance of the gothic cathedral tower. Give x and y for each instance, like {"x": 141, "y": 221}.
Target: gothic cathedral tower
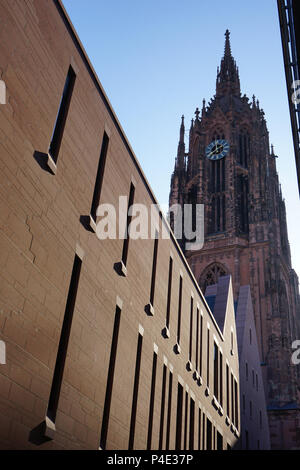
{"x": 230, "y": 169}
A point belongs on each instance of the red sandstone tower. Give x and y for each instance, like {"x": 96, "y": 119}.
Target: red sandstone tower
{"x": 230, "y": 169}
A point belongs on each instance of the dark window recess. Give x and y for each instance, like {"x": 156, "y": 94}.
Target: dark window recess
{"x": 169, "y": 411}
{"x": 227, "y": 391}
{"x": 127, "y": 235}
{"x": 219, "y": 441}
{"x": 208, "y": 435}
{"x": 191, "y": 330}
{"x": 99, "y": 176}
{"x": 152, "y": 397}
{"x": 203, "y": 431}
{"x": 221, "y": 379}
{"x": 197, "y": 339}
{"x": 179, "y": 417}
{"x": 208, "y": 352}
{"x": 62, "y": 115}
{"x": 179, "y": 310}
{"x": 135, "y": 392}
{"x": 201, "y": 345}
{"x": 192, "y": 424}
{"x": 236, "y": 403}
{"x": 232, "y": 402}
{"x": 199, "y": 429}
{"x": 169, "y": 292}
{"x": 216, "y": 371}
{"x": 64, "y": 340}
{"x": 110, "y": 379}
{"x": 162, "y": 408}
{"x": 186, "y": 420}
{"x": 154, "y": 263}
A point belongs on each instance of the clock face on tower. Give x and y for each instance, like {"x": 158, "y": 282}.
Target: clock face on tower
{"x": 217, "y": 149}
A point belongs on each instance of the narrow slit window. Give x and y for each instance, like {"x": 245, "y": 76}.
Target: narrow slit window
{"x": 99, "y": 176}
{"x": 169, "y": 292}
{"x": 197, "y": 339}
{"x": 135, "y": 392}
{"x": 162, "y": 407}
{"x": 221, "y": 379}
{"x": 62, "y": 114}
{"x": 203, "y": 431}
{"x": 110, "y": 378}
{"x": 179, "y": 310}
{"x": 232, "y": 401}
{"x": 179, "y": 417}
{"x": 227, "y": 391}
{"x": 208, "y": 434}
{"x": 64, "y": 340}
{"x": 152, "y": 398}
{"x": 236, "y": 403}
{"x": 154, "y": 263}
{"x": 208, "y": 352}
{"x": 192, "y": 424}
{"x": 201, "y": 345}
{"x": 216, "y": 371}
{"x": 199, "y": 429}
{"x": 169, "y": 411}
{"x": 186, "y": 420}
{"x": 191, "y": 330}
{"x": 126, "y": 239}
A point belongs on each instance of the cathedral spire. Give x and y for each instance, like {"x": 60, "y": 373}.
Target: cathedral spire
{"x": 181, "y": 145}
{"x": 228, "y": 81}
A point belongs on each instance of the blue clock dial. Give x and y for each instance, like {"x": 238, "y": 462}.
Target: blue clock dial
{"x": 217, "y": 149}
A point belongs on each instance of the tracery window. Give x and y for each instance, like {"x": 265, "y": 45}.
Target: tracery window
{"x": 211, "y": 275}
{"x": 243, "y": 148}
{"x": 217, "y": 190}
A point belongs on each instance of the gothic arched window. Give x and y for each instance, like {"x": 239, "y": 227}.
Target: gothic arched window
{"x": 211, "y": 275}
{"x": 243, "y": 148}
{"x": 217, "y": 190}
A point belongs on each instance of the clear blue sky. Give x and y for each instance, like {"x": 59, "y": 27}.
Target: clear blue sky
{"x": 157, "y": 60}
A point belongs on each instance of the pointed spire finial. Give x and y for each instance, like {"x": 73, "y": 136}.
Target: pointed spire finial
{"x": 197, "y": 112}
{"x": 272, "y": 149}
{"x": 227, "y": 44}
{"x": 228, "y": 81}
{"x": 182, "y": 130}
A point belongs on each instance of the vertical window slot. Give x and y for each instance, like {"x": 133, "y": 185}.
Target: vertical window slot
{"x": 110, "y": 379}
{"x": 169, "y": 411}
{"x": 126, "y": 239}
{"x": 99, "y": 176}
{"x": 186, "y": 420}
{"x": 179, "y": 417}
{"x": 64, "y": 340}
{"x": 179, "y": 310}
{"x": 162, "y": 408}
{"x": 169, "y": 293}
{"x": 191, "y": 330}
{"x": 152, "y": 398}
{"x": 154, "y": 262}
{"x": 192, "y": 424}
{"x": 62, "y": 114}
{"x": 135, "y": 392}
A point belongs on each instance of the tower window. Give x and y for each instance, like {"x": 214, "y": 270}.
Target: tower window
{"x": 244, "y": 149}
{"x": 211, "y": 275}
{"x": 62, "y": 114}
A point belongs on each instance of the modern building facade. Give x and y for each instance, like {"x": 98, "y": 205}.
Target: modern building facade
{"x": 289, "y": 14}
{"x": 230, "y": 168}
{"x": 108, "y": 344}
